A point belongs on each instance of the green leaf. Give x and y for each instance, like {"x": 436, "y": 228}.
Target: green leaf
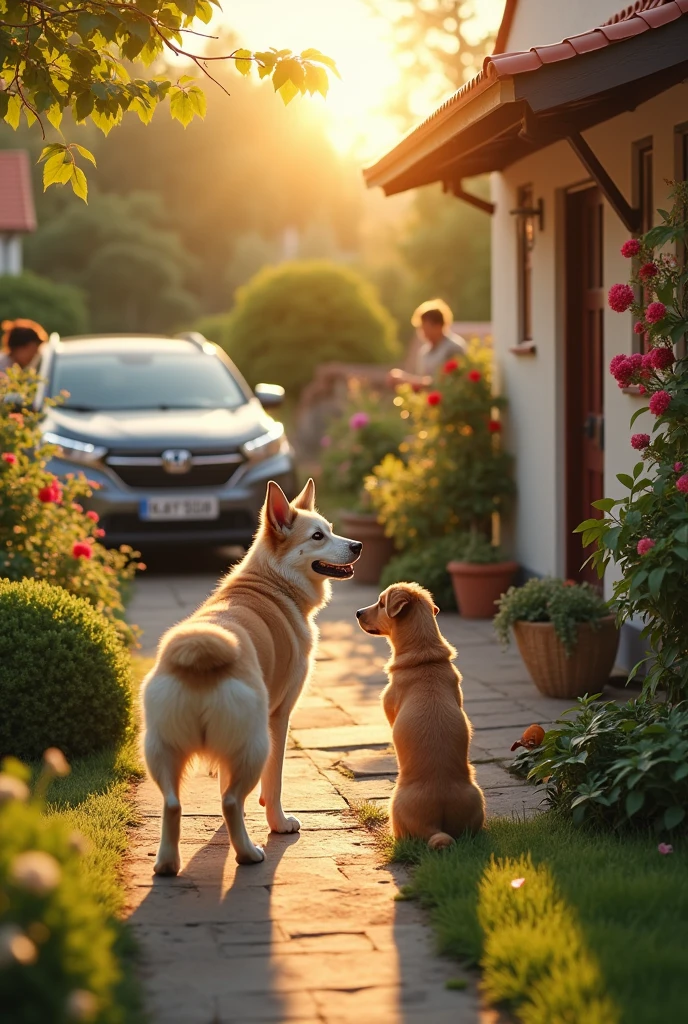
{"x": 198, "y": 100}
{"x": 288, "y": 91}
{"x": 57, "y": 169}
{"x": 625, "y": 479}
{"x": 243, "y": 61}
{"x": 681, "y": 534}
{"x": 680, "y": 772}
{"x": 655, "y": 580}
{"x": 13, "y": 115}
{"x": 611, "y": 538}
{"x": 317, "y": 80}
{"x": 673, "y": 816}
{"x": 79, "y": 183}
{"x": 85, "y": 153}
{"x": 606, "y": 504}
{"x": 639, "y": 412}
{"x": 181, "y": 106}
{"x": 637, "y": 469}
{"x": 588, "y": 524}
{"x": 83, "y": 105}
{"x": 634, "y": 801}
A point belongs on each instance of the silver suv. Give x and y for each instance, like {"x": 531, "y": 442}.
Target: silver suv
{"x": 179, "y": 444}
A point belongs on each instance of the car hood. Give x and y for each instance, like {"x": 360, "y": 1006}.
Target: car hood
{"x": 153, "y": 430}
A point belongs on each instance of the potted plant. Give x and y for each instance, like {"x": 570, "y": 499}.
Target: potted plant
{"x": 367, "y": 430}
{"x": 480, "y": 578}
{"x": 566, "y": 635}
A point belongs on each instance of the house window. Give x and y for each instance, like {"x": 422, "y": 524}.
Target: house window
{"x": 526, "y": 234}
{"x": 643, "y": 201}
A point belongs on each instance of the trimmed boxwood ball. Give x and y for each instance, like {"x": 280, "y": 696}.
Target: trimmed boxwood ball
{"x": 64, "y": 673}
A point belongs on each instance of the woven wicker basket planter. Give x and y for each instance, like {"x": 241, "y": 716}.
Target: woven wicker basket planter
{"x": 588, "y": 668}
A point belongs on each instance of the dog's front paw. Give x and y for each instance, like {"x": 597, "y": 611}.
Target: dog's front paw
{"x": 252, "y": 855}
{"x": 284, "y": 824}
{"x": 166, "y": 866}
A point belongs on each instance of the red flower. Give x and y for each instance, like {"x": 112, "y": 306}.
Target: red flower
{"x": 645, "y": 545}
{"x": 474, "y": 375}
{"x": 620, "y": 297}
{"x": 630, "y": 248}
{"x": 647, "y": 271}
{"x": 77, "y": 507}
{"x": 682, "y": 483}
{"x": 10, "y": 458}
{"x": 93, "y": 484}
{"x": 655, "y": 312}
{"x": 642, "y": 390}
{"x": 494, "y": 426}
{"x": 639, "y": 327}
{"x": 616, "y": 363}
{"x": 17, "y": 418}
{"x": 678, "y": 466}
{"x": 93, "y": 515}
{"x": 661, "y": 358}
{"x": 100, "y": 533}
{"x": 640, "y": 441}
{"x": 82, "y": 550}
{"x": 434, "y": 398}
{"x": 451, "y": 365}
{"x": 51, "y": 492}
{"x": 660, "y": 402}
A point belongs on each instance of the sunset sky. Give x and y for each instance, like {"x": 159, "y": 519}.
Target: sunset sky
{"x": 360, "y": 43}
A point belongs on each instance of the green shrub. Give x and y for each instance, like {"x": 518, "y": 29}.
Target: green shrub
{"x": 616, "y": 765}
{"x": 562, "y": 602}
{"x": 57, "y": 307}
{"x": 427, "y": 565}
{"x": 452, "y": 474}
{"x": 44, "y": 531}
{"x": 64, "y": 673}
{"x": 289, "y": 319}
{"x": 57, "y": 958}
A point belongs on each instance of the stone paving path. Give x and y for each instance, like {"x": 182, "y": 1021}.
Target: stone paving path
{"x": 314, "y": 933}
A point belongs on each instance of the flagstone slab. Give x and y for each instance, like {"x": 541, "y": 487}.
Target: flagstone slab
{"x": 363, "y": 763}
{"x": 344, "y": 738}
{"x": 320, "y": 718}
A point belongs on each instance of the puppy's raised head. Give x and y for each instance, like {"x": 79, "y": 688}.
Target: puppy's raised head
{"x": 302, "y": 540}
{"x": 396, "y": 608}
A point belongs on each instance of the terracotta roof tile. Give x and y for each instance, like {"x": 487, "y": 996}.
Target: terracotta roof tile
{"x": 628, "y": 12}
{"x": 660, "y": 15}
{"x": 557, "y": 51}
{"x": 585, "y": 42}
{"x": 624, "y": 29}
{"x": 17, "y": 211}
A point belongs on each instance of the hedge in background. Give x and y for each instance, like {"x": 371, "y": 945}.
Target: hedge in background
{"x": 57, "y": 307}
{"x": 64, "y": 673}
{"x": 289, "y": 319}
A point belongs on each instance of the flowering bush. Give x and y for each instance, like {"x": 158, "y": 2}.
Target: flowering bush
{"x": 64, "y": 673}
{"x": 646, "y": 532}
{"x": 57, "y": 957}
{"x": 561, "y": 602}
{"x": 44, "y": 532}
{"x": 451, "y": 474}
{"x": 427, "y": 564}
{"x": 367, "y": 429}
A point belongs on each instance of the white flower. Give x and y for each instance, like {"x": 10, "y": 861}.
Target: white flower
{"x": 12, "y": 788}
{"x": 36, "y": 871}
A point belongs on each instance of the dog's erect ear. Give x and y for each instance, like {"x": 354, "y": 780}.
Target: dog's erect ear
{"x": 306, "y": 499}
{"x": 278, "y": 512}
{"x": 395, "y": 601}
{"x": 435, "y": 610}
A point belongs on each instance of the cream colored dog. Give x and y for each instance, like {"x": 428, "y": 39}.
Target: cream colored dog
{"x": 227, "y": 678}
{"x": 436, "y": 797}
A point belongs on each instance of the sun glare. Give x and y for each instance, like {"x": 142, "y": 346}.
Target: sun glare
{"x": 361, "y": 43}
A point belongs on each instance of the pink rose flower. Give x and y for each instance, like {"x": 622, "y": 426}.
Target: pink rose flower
{"x": 93, "y": 515}
{"x": 99, "y": 533}
{"x": 665, "y": 848}
{"x": 82, "y": 550}
{"x": 10, "y": 458}
{"x": 660, "y": 402}
{"x": 640, "y": 441}
{"x": 630, "y": 248}
{"x": 620, "y": 297}
{"x": 359, "y": 420}
{"x": 682, "y": 483}
{"x": 655, "y": 312}
{"x": 644, "y": 545}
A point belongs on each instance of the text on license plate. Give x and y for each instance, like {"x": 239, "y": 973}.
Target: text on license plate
{"x": 161, "y": 509}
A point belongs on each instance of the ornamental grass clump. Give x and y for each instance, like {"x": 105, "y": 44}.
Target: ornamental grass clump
{"x": 563, "y": 603}
{"x": 646, "y": 532}
{"x": 64, "y": 673}
{"x": 45, "y": 533}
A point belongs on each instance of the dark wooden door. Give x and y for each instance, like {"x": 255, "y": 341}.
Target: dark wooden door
{"x": 585, "y": 302}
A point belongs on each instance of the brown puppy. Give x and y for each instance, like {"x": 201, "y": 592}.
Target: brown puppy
{"x": 436, "y": 797}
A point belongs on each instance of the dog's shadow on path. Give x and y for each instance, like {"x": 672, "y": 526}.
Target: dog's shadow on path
{"x": 207, "y": 936}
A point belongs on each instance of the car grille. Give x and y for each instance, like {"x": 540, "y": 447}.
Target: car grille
{"x": 234, "y": 521}
{"x": 146, "y": 471}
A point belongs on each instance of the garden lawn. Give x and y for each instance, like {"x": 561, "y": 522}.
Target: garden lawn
{"x": 597, "y": 933}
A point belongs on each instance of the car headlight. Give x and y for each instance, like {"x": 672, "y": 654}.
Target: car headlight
{"x": 75, "y": 451}
{"x": 266, "y": 445}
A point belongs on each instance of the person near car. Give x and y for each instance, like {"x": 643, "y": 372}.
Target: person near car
{"x": 21, "y": 341}
{"x": 432, "y": 320}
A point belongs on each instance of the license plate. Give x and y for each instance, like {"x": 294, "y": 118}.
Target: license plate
{"x": 171, "y": 509}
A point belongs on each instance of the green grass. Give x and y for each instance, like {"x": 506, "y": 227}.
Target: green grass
{"x": 597, "y": 934}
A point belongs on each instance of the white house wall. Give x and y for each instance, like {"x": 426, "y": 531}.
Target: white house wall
{"x": 534, "y": 384}
{"x": 537, "y": 22}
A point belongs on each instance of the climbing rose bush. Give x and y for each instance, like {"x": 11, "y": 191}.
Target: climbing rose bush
{"x": 44, "y": 531}
{"x": 646, "y": 532}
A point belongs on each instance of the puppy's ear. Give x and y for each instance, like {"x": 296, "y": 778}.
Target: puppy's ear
{"x": 395, "y": 601}
{"x": 435, "y": 610}
{"x": 277, "y": 511}
{"x": 306, "y": 499}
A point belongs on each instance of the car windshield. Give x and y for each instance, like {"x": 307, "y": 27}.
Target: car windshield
{"x": 146, "y": 380}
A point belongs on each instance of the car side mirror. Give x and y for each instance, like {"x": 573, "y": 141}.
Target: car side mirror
{"x": 270, "y": 396}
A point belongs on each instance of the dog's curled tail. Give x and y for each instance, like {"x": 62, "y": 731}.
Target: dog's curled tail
{"x": 440, "y": 841}
{"x": 203, "y": 647}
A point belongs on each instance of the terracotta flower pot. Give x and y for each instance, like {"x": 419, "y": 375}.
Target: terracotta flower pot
{"x": 377, "y": 548}
{"x": 586, "y": 670}
{"x": 477, "y": 587}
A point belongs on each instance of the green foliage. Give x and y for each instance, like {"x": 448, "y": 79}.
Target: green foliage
{"x": 123, "y": 254}
{"x": 58, "y": 57}
{"x": 291, "y": 318}
{"x": 57, "y": 307}
{"x": 616, "y": 766}
{"x": 480, "y": 551}
{"x": 452, "y": 474}
{"x": 42, "y": 519}
{"x": 561, "y": 602}
{"x": 646, "y": 532}
{"x": 427, "y": 565}
{"x": 597, "y": 933}
{"x": 367, "y": 428}
{"x": 64, "y": 673}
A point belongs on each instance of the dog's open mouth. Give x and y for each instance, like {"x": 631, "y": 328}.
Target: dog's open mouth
{"x": 337, "y": 572}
